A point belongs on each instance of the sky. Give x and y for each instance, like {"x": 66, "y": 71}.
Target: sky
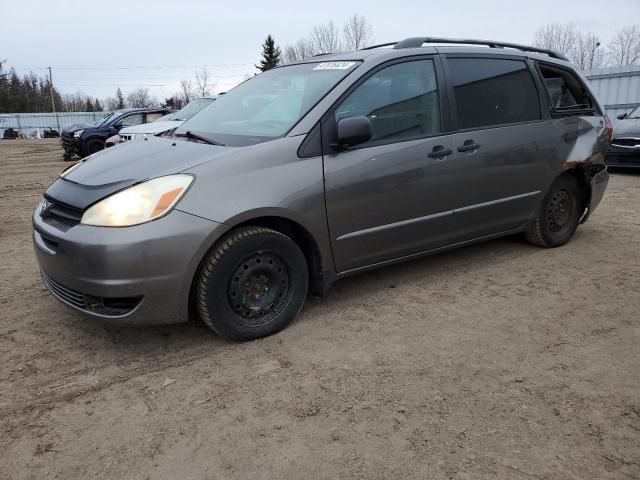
{"x": 94, "y": 47}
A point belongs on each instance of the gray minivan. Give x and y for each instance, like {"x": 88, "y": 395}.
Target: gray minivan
{"x": 320, "y": 169}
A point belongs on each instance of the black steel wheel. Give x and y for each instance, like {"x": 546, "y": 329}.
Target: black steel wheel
{"x": 558, "y": 215}
{"x": 252, "y": 284}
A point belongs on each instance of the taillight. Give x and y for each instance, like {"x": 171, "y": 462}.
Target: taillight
{"x": 609, "y": 125}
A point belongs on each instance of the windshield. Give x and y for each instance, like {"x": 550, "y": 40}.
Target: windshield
{"x": 635, "y": 113}
{"x": 102, "y": 120}
{"x": 268, "y": 105}
{"x": 189, "y": 110}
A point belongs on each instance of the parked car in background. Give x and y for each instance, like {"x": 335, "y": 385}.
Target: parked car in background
{"x": 625, "y": 146}
{"x": 85, "y": 139}
{"x": 166, "y": 123}
{"x": 320, "y": 169}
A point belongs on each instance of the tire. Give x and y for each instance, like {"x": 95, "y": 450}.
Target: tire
{"x": 252, "y": 284}
{"x": 558, "y": 215}
{"x": 92, "y": 146}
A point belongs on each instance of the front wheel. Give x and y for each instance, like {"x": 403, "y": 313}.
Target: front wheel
{"x": 559, "y": 214}
{"x": 252, "y": 284}
{"x": 92, "y": 146}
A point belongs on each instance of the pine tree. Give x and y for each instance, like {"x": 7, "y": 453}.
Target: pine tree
{"x": 88, "y": 106}
{"x": 270, "y": 55}
{"x": 96, "y": 106}
{"x": 120, "y": 98}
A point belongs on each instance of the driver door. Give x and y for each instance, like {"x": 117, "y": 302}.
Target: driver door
{"x": 392, "y": 196}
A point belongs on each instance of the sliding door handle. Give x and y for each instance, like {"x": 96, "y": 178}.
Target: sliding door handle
{"x": 469, "y": 146}
{"x": 439, "y": 152}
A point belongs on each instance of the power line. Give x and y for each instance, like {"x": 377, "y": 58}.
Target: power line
{"x": 212, "y": 65}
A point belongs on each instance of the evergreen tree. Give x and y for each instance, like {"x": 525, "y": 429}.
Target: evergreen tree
{"x": 96, "y": 106}
{"x": 88, "y": 105}
{"x": 270, "y": 55}
{"x": 120, "y": 98}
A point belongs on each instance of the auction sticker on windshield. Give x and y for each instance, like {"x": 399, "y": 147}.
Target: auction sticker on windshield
{"x": 334, "y": 65}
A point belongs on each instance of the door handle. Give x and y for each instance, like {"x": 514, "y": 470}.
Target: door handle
{"x": 468, "y": 146}
{"x": 439, "y": 152}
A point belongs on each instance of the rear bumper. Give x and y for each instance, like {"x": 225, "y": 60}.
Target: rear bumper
{"x": 130, "y": 276}
{"x": 599, "y": 183}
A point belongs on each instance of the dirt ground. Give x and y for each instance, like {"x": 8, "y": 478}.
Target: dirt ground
{"x": 500, "y": 360}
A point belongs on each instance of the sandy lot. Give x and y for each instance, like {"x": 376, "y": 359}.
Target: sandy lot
{"x": 500, "y": 360}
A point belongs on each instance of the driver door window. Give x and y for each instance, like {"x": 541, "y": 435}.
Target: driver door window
{"x": 401, "y": 101}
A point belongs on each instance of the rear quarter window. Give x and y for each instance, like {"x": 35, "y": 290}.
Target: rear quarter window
{"x": 565, "y": 91}
{"x": 490, "y": 92}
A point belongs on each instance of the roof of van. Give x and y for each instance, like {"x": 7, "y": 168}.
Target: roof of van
{"x": 432, "y": 45}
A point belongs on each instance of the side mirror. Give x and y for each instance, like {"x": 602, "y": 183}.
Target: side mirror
{"x": 354, "y": 131}
{"x": 622, "y": 116}
{"x": 117, "y": 125}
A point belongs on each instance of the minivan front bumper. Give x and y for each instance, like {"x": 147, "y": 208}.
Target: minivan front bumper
{"x": 130, "y": 276}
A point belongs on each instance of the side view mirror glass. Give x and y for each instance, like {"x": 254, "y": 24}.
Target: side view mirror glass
{"x": 354, "y": 131}
{"x": 622, "y": 116}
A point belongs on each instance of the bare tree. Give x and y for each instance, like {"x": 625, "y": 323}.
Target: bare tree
{"x": 624, "y": 48}
{"x": 357, "y": 32}
{"x": 139, "y": 98}
{"x": 187, "y": 90}
{"x": 325, "y": 38}
{"x": 558, "y": 37}
{"x": 111, "y": 104}
{"x": 586, "y": 53}
{"x": 303, "y": 48}
{"x": 204, "y": 83}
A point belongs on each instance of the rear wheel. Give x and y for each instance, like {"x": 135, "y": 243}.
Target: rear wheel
{"x": 559, "y": 214}
{"x": 252, "y": 284}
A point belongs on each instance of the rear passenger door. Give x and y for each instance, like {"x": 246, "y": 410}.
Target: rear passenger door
{"x": 500, "y": 153}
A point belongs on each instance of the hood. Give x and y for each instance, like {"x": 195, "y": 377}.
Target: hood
{"x": 153, "y": 128}
{"x": 627, "y": 127}
{"x": 76, "y": 126}
{"x": 113, "y": 169}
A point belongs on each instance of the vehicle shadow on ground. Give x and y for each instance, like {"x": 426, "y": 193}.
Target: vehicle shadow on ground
{"x": 350, "y": 289}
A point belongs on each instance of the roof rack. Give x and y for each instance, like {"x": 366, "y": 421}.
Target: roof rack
{"x": 416, "y": 42}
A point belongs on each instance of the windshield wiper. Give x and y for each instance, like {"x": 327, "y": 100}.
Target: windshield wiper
{"x": 195, "y": 136}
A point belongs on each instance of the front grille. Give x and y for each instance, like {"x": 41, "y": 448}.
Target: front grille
{"x": 62, "y": 214}
{"x": 125, "y": 137}
{"x": 108, "y": 307}
{"x": 626, "y": 142}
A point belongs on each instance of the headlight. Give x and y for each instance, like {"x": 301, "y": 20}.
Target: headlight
{"x": 138, "y": 204}
{"x": 78, "y": 133}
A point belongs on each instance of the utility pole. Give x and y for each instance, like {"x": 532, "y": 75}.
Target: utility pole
{"x": 53, "y": 103}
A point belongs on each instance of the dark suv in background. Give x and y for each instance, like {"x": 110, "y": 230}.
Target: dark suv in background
{"x": 88, "y": 138}
{"x": 317, "y": 170}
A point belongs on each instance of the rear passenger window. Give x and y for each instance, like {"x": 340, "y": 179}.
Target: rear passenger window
{"x": 400, "y": 100}
{"x": 566, "y": 93}
{"x": 492, "y": 92}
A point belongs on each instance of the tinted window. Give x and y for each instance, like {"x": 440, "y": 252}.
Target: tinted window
{"x": 493, "y": 92}
{"x": 401, "y": 101}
